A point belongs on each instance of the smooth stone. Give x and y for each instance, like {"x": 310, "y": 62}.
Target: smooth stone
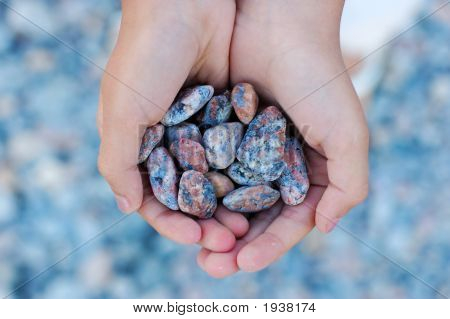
{"x": 218, "y": 110}
{"x": 219, "y": 150}
{"x": 196, "y": 195}
{"x": 236, "y": 132}
{"x": 251, "y": 199}
{"x": 221, "y": 183}
{"x": 293, "y": 182}
{"x": 190, "y": 102}
{"x": 243, "y": 176}
{"x": 245, "y": 102}
{"x": 262, "y": 148}
{"x": 182, "y": 130}
{"x": 190, "y": 155}
{"x": 163, "y": 177}
{"x": 152, "y": 136}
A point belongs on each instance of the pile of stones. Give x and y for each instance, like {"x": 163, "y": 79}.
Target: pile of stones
{"x": 202, "y": 152}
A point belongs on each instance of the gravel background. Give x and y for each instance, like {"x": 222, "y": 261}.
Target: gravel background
{"x": 52, "y": 198}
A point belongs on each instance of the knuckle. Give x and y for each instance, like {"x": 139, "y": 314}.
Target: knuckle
{"x": 358, "y": 194}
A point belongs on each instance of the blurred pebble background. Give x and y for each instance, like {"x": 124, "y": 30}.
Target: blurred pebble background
{"x": 52, "y": 198}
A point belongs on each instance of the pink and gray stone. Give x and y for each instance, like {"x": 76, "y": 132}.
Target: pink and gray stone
{"x": 218, "y": 110}
{"x": 251, "y": 199}
{"x": 196, "y": 195}
{"x": 182, "y": 130}
{"x": 293, "y": 182}
{"x": 243, "y": 176}
{"x": 190, "y": 155}
{"x": 221, "y": 183}
{"x": 220, "y": 151}
{"x": 152, "y": 136}
{"x": 245, "y": 102}
{"x": 163, "y": 177}
{"x": 190, "y": 102}
{"x": 262, "y": 148}
{"x": 236, "y": 133}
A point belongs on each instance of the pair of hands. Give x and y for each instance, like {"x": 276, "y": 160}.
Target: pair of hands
{"x": 290, "y": 51}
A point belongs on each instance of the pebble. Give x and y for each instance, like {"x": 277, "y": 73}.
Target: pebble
{"x": 243, "y": 176}
{"x": 190, "y": 101}
{"x": 182, "y": 130}
{"x": 163, "y": 177}
{"x": 196, "y": 196}
{"x": 218, "y": 110}
{"x": 251, "y": 199}
{"x": 190, "y": 155}
{"x": 293, "y": 182}
{"x": 221, "y": 183}
{"x": 152, "y": 136}
{"x": 245, "y": 102}
{"x": 220, "y": 152}
{"x": 262, "y": 148}
{"x": 236, "y": 132}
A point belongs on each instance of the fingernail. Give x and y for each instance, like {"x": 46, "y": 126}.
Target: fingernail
{"x": 331, "y": 224}
{"x": 123, "y": 203}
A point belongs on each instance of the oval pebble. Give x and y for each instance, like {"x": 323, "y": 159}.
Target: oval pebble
{"x": 190, "y": 101}
{"x": 220, "y": 152}
{"x": 217, "y": 111}
{"x": 251, "y": 199}
{"x": 236, "y": 133}
{"x": 190, "y": 155}
{"x": 245, "y": 102}
{"x": 243, "y": 176}
{"x": 151, "y": 139}
{"x": 196, "y": 195}
{"x": 221, "y": 183}
{"x": 163, "y": 177}
{"x": 262, "y": 148}
{"x": 293, "y": 182}
{"x": 182, "y": 130}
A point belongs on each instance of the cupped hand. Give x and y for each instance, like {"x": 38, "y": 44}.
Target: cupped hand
{"x": 162, "y": 46}
{"x": 290, "y": 51}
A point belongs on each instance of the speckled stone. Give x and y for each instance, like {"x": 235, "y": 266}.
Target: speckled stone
{"x": 236, "y": 133}
{"x": 190, "y": 101}
{"x": 151, "y": 139}
{"x": 293, "y": 182}
{"x": 196, "y": 196}
{"x": 251, "y": 199}
{"x": 190, "y": 155}
{"x": 218, "y": 110}
{"x": 221, "y": 183}
{"x": 182, "y": 130}
{"x": 243, "y": 176}
{"x": 262, "y": 148}
{"x": 163, "y": 177}
{"x": 245, "y": 102}
{"x": 220, "y": 152}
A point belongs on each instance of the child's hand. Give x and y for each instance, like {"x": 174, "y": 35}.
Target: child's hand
{"x": 290, "y": 51}
{"x": 162, "y": 45}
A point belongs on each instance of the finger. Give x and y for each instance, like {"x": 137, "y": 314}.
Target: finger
{"x": 201, "y": 258}
{"x": 173, "y": 225}
{"x": 220, "y": 265}
{"x": 237, "y": 223}
{"x": 215, "y": 236}
{"x": 347, "y": 166}
{"x": 282, "y": 234}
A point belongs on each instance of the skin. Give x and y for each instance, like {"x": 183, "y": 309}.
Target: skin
{"x": 290, "y": 51}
